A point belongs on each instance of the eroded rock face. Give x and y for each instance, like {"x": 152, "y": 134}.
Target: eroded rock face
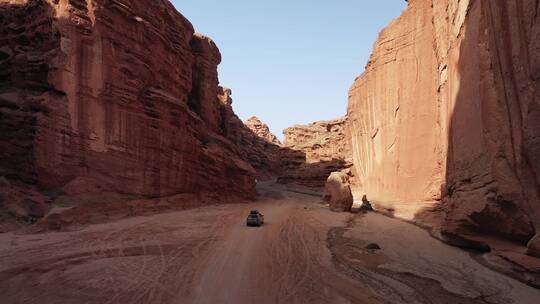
{"x": 448, "y": 111}
{"x": 315, "y": 151}
{"x": 261, "y": 129}
{"x": 251, "y": 142}
{"x": 338, "y": 192}
{"x": 321, "y": 141}
{"x": 121, "y": 95}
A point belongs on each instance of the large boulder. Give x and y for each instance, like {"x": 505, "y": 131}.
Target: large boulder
{"x": 534, "y": 247}
{"x": 261, "y": 130}
{"x": 338, "y": 192}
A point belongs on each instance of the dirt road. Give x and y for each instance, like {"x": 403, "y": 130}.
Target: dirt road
{"x": 303, "y": 254}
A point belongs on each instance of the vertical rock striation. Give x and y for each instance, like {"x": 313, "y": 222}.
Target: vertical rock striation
{"x": 109, "y": 95}
{"x": 448, "y": 112}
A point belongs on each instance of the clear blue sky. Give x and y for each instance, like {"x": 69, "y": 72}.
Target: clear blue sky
{"x": 290, "y": 61}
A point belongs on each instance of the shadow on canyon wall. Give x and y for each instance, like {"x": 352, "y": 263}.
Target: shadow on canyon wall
{"x": 86, "y": 107}
{"x": 297, "y": 170}
{"x": 492, "y": 166}
{"x": 24, "y": 77}
{"x": 284, "y": 164}
{"x": 85, "y": 101}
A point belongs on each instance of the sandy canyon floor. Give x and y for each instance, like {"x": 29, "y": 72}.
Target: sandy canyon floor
{"x": 303, "y": 254}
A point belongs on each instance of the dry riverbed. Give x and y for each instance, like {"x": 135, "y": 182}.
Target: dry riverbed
{"x": 303, "y": 254}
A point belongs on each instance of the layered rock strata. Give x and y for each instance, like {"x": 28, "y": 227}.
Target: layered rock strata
{"x": 315, "y": 151}
{"x": 320, "y": 141}
{"x": 108, "y": 95}
{"x": 447, "y": 115}
{"x": 253, "y": 140}
{"x": 261, "y": 130}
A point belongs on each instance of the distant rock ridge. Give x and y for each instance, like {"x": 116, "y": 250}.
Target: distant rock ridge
{"x": 261, "y": 130}
{"x": 253, "y": 140}
{"x": 308, "y": 157}
{"x": 321, "y": 148}
{"x": 322, "y": 140}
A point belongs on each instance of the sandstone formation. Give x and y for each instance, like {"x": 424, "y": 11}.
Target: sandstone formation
{"x": 295, "y": 170}
{"x": 338, "y": 192}
{"x": 447, "y": 114}
{"x": 111, "y": 96}
{"x": 252, "y": 143}
{"x": 315, "y": 151}
{"x": 308, "y": 156}
{"x": 261, "y": 129}
{"x": 320, "y": 141}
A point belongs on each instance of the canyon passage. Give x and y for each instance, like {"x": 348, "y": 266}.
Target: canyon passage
{"x": 127, "y": 177}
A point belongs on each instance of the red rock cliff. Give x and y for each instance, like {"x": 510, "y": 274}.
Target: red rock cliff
{"x": 448, "y": 111}
{"x": 253, "y": 139}
{"x": 321, "y": 141}
{"x": 311, "y": 152}
{"x": 110, "y": 95}
{"x": 261, "y": 130}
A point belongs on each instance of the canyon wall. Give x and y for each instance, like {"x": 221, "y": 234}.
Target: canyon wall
{"x": 448, "y": 113}
{"x": 253, "y": 139}
{"x": 321, "y": 140}
{"x": 261, "y": 130}
{"x": 111, "y": 96}
{"x": 312, "y": 152}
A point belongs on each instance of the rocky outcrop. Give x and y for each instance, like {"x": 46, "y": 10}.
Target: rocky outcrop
{"x": 252, "y": 143}
{"x": 320, "y": 141}
{"x": 448, "y": 112}
{"x": 295, "y": 169}
{"x": 314, "y": 151}
{"x": 116, "y": 97}
{"x": 261, "y": 129}
{"x": 338, "y": 192}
